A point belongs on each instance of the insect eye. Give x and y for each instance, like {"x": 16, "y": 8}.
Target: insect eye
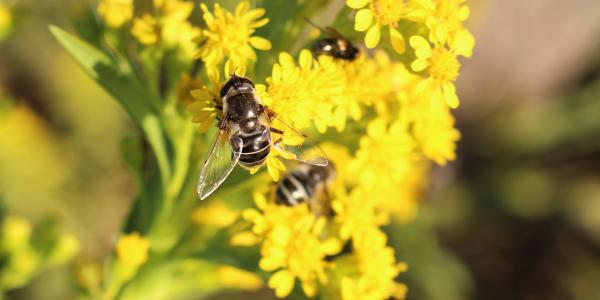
{"x": 226, "y": 88}
{"x": 246, "y": 80}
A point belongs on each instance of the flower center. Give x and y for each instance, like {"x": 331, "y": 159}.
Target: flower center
{"x": 387, "y": 11}
{"x": 444, "y": 65}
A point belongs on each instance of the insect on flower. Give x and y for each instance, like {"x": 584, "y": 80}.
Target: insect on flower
{"x": 335, "y": 45}
{"x": 308, "y": 184}
{"x": 246, "y": 125}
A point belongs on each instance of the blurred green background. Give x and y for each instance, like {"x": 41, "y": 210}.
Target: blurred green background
{"x": 517, "y": 216}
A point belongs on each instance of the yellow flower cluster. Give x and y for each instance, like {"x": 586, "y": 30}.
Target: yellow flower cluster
{"x": 168, "y": 25}
{"x": 115, "y": 13}
{"x": 437, "y": 55}
{"x": 23, "y": 256}
{"x": 393, "y": 121}
{"x": 297, "y": 244}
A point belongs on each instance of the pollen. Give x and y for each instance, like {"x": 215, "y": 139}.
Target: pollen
{"x": 444, "y": 65}
{"x": 387, "y": 12}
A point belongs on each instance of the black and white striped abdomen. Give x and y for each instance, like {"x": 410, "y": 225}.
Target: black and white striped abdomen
{"x": 256, "y": 147}
{"x": 294, "y": 189}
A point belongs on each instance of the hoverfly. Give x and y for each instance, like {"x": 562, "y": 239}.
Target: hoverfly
{"x": 245, "y": 136}
{"x": 335, "y": 45}
{"x": 308, "y": 184}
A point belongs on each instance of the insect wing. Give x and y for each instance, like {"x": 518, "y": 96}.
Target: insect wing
{"x": 221, "y": 161}
{"x": 327, "y": 30}
{"x": 295, "y": 144}
{"x": 334, "y": 33}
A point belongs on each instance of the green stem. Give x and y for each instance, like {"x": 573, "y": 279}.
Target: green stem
{"x": 183, "y": 151}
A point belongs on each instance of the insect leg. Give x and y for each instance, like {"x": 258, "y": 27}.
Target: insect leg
{"x": 275, "y": 130}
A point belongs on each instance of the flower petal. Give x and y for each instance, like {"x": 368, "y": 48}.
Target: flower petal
{"x": 356, "y": 4}
{"x": 363, "y": 19}
{"x": 201, "y": 95}
{"x": 282, "y": 282}
{"x": 305, "y": 60}
{"x": 397, "y": 40}
{"x": 450, "y": 96}
{"x": 286, "y": 60}
{"x": 463, "y": 43}
{"x": 418, "y": 65}
{"x": 373, "y": 36}
{"x": 260, "y": 43}
{"x": 421, "y": 46}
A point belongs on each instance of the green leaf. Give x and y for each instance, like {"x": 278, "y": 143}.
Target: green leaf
{"x": 125, "y": 88}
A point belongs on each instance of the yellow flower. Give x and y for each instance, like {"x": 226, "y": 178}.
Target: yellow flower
{"x": 65, "y": 248}
{"x": 434, "y": 131}
{"x": 146, "y": 29}
{"x": 354, "y": 212}
{"x": 369, "y": 82}
{"x": 303, "y": 94}
{"x": 384, "y": 156}
{"x": 5, "y": 20}
{"x": 442, "y": 66}
{"x": 376, "y": 266}
{"x": 402, "y": 200}
{"x": 377, "y": 14}
{"x": 216, "y": 213}
{"x": 230, "y": 36}
{"x": 89, "y": 277}
{"x": 132, "y": 250}
{"x": 168, "y": 25}
{"x": 16, "y": 232}
{"x": 444, "y": 19}
{"x": 292, "y": 250}
{"x": 203, "y": 107}
{"x": 116, "y": 12}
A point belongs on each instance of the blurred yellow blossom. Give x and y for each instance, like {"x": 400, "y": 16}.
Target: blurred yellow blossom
{"x": 442, "y": 66}
{"x": 169, "y": 26}
{"x": 233, "y": 277}
{"x": 132, "y": 249}
{"x": 146, "y": 29}
{"x": 115, "y": 12}
{"x": 64, "y": 249}
{"x": 434, "y": 131}
{"x": 89, "y": 277}
{"x": 386, "y": 149}
{"x": 6, "y": 20}
{"x": 376, "y": 267}
{"x": 216, "y": 213}
{"x": 16, "y": 232}
{"x": 229, "y": 36}
{"x": 444, "y": 19}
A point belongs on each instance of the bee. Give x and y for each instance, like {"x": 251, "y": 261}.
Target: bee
{"x": 335, "y": 45}
{"x": 245, "y": 136}
{"x": 308, "y": 184}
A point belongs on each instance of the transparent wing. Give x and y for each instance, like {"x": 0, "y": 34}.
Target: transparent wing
{"x": 327, "y": 30}
{"x": 334, "y": 33}
{"x": 293, "y": 143}
{"x": 222, "y": 158}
